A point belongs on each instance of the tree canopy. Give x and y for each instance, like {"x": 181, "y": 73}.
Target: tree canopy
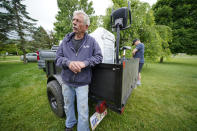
{"x": 181, "y": 17}
{"x": 18, "y": 25}
{"x": 65, "y": 15}
{"x": 42, "y": 40}
{"x": 155, "y": 37}
{"x": 6, "y": 18}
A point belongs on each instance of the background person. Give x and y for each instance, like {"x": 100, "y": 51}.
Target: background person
{"x": 76, "y": 55}
{"x": 138, "y": 52}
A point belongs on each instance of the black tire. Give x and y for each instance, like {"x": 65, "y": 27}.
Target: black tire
{"x": 56, "y": 101}
{"x": 44, "y": 69}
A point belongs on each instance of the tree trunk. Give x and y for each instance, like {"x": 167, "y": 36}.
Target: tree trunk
{"x": 161, "y": 59}
{"x": 24, "y": 54}
{"x": 21, "y": 34}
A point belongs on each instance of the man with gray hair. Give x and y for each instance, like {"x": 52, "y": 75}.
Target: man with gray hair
{"x": 76, "y": 55}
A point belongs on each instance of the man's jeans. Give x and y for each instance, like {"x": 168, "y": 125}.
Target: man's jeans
{"x": 82, "y": 106}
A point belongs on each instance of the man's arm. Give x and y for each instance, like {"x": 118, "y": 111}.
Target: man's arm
{"x": 60, "y": 60}
{"x": 76, "y": 66}
{"x": 138, "y": 47}
{"x": 134, "y": 51}
{"x": 63, "y": 62}
{"x": 97, "y": 56}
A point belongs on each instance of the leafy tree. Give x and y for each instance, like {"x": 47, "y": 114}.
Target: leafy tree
{"x": 65, "y": 15}
{"x": 95, "y": 22}
{"x": 6, "y": 25}
{"x": 52, "y": 38}
{"x": 165, "y": 34}
{"x": 19, "y": 25}
{"x": 144, "y": 28}
{"x": 6, "y": 18}
{"x": 181, "y": 17}
{"x": 42, "y": 39}
{"x": 23, "y": 27}
{"x": 10, "y": 49}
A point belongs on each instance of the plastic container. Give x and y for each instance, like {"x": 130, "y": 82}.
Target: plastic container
{"x": 106, "y": 41}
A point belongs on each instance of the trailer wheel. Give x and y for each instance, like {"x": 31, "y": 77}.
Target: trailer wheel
{"x": 44, "y": 69}
{"x": 56, "y": 101}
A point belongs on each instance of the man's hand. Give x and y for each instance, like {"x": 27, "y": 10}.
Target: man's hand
{"x": 134, "y": 51}
{"x": 81, "y": 64}
{"x": 76, "y": 66}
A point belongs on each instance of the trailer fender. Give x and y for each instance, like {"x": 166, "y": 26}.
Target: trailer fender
{"x": 56, "y": 77}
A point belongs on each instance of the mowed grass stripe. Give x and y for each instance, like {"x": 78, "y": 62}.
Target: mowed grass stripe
{"x": 167, "y": 99}
{"x": 23, "y": 105}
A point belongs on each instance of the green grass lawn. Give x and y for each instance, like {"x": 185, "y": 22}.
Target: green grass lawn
{"x": 9, "y": 58}
{"x": 167, "y": 99}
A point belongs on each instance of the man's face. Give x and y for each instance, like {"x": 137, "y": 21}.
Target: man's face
{"x": 78, "y": 24}
{"x": 136, "y": 42}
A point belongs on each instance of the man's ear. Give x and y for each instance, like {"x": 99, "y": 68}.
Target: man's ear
{"x": 87, "y": 27}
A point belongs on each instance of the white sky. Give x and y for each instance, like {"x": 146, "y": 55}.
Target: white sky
{"x": 45, "y": 10}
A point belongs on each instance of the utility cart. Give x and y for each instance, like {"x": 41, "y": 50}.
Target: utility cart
{"x": 111, "y": 84}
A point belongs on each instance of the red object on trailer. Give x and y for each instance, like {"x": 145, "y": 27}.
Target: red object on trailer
{"x": 101, "y": 107}
{"x": 38, "y": 58}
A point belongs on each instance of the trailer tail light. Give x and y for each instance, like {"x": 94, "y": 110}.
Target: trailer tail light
{"x": 101, "y": 107}
{"x": 123, "y": 63}
{"x": 38, "y": 58}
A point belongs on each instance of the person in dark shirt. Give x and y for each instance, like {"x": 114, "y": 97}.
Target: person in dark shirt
{"x": 138, "y": 52}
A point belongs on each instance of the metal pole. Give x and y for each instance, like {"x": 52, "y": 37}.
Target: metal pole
{"x": 117, "y": 44}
